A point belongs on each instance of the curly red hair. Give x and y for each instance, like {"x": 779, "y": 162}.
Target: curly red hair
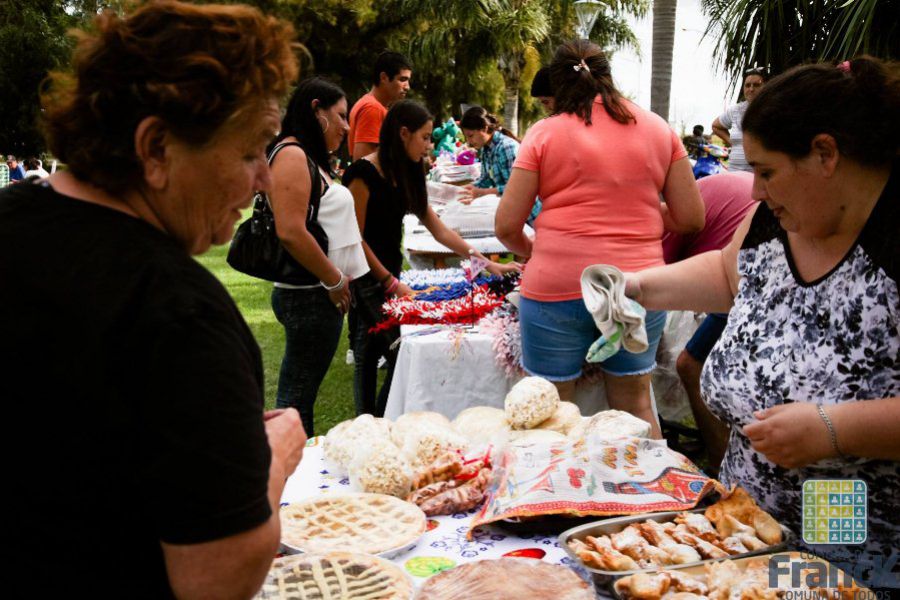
{"x": 195, "y": 67}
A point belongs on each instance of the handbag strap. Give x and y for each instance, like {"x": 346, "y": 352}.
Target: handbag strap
{"x": 261, "y": 200}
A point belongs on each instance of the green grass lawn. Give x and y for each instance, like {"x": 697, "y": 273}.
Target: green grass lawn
{"x": 335, "y": 401}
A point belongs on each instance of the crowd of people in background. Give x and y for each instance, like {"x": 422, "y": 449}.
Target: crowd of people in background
{"x": 150, "y": 381}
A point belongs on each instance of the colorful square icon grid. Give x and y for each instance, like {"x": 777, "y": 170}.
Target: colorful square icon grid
{"x": 835, "y": 511}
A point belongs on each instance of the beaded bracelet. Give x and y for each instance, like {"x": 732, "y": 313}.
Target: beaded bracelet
{"x": 831, "y": 431}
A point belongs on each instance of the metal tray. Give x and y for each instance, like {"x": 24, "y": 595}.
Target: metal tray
{"x": 698, "y": 569}
{"x": 607, "y": 526}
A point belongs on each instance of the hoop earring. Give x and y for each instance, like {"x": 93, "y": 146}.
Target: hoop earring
{"x": 327, "y": 123}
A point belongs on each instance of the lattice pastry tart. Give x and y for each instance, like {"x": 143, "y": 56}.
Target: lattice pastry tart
{"x": 368, "y": 523}
{"x": 333, "y": 576}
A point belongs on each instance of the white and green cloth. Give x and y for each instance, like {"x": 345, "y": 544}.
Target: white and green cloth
{"x": 619, "y": 319}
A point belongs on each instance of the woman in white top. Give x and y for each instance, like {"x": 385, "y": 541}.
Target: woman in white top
{"x": 308, "y": 206}
{"x": 728, "y": 125}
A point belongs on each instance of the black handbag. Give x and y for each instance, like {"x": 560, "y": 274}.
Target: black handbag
{"x": 256, "y": 249}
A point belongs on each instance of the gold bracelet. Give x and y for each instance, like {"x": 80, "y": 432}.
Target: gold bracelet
{"x": 831, "y": 431}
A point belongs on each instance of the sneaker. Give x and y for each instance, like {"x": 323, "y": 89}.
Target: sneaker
{"x": 349, "y": 358}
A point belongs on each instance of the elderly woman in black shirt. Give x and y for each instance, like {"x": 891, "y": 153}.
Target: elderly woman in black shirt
{"x": 141, "y": 437}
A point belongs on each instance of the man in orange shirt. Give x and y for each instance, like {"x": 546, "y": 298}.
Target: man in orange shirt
{"x": 390, "y": 83}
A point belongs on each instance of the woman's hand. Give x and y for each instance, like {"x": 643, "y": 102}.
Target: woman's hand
{"x": 403, "y": 290}
{"x": 340, "y": 297}
{"x": 790, "y": 435}
{"x": 502, "y": 269}
{"x": 465, "y": 195}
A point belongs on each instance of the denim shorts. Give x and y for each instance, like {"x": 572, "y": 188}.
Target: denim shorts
{"x": 706, "y": 336}
{"x": 556, "y": 337}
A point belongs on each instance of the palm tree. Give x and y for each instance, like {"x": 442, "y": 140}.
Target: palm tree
{"x": 473, "y": 31}
{"x": 663, "y": 47}
{"x": 782, "y": 34}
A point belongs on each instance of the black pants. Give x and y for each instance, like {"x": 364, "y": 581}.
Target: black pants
{"x": 368, "y": 296}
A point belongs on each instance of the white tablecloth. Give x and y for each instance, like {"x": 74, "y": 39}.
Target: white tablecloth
{"x": 446, "y": 373}
{"x": 419, "y": 239}
{"x": 444, "y": 544}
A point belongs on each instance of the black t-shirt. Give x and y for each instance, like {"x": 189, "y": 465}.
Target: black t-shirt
{"x": 383, "y": 229}
{"x": 133, "y": 393}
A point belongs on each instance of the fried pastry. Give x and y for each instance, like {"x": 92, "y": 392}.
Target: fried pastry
{"x": 644, "y": 586}
{"x": 699, "y": 525}
{"x": 684, "y": 583}
{"x": 721, "y": 577}
{"x": 678, "y": 553}
{"x": 747, "y": 535}
{"x": 602, "y": 556}
{"x": 629, "y": 541}
{"x": 704, "y": 548}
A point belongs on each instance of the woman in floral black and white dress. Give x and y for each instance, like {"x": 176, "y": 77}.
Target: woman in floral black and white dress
{"x": 807, "y": 372}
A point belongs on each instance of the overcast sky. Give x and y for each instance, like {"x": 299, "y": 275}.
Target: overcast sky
{"x": 699, "y": 92}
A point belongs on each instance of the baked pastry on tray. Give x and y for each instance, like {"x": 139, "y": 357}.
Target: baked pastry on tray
{"x": 335, "y": 576}
{"x": 507, "y": 578}
{"x": 367, "y": 523}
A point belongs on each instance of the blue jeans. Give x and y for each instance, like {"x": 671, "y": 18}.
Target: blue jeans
{"x": 556, "y": 337}
{"x": 706, "y": 336}
{"x": 312, "y": 330}
{"x": 368, "y": 296}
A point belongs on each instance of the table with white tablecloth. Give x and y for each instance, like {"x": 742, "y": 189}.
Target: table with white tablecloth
{"x": 444, "y": 544}
{"x": 422, "y": 250}
{"x": 453, "y": 369}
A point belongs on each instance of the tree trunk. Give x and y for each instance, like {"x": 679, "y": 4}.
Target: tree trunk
{"x": 511, "y": 108}
{"x": 511, "y": 68}
{"x": 663, "y": 46}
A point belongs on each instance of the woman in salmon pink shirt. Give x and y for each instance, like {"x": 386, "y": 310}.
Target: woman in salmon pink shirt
{"x": 601, "y": 165}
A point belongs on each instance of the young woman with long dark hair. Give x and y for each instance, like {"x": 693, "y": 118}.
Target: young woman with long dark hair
{"x": 387, "y": 185}
{"x": 316, "y": 223}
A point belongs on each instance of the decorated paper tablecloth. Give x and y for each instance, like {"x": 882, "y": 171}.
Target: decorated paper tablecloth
{"x": 444, "y": 544}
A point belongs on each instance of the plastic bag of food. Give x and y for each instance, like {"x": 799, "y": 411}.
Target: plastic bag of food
{"x": 345, "y": 438}
{"x": 413, "y": 421}
{"x": 423, "y": 446}
{"x": 617, "y": 423}
{"x": 482, "y": 426}
{"x": 381, "y": 468}
{"x": 531, "y": 401}
{"x": 566, "y": 417}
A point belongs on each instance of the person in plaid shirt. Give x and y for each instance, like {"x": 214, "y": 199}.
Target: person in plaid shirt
{"x": 497, "y": 150}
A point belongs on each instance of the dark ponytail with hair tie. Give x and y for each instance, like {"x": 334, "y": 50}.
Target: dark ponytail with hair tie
{"x": 479, "y": 119}
{"x": 579, "y": 72}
